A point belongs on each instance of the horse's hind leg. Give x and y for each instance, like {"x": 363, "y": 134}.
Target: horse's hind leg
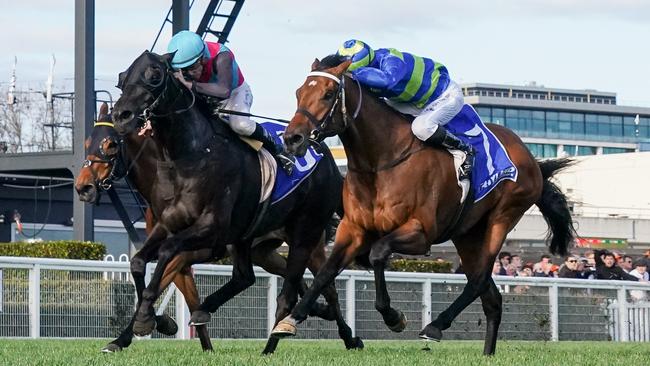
{"x": 492, "y": 308}
{"x": 349, "y": 243}
{"x": 265, "y": 255}
{"x": 299, "y": 255}
{"x": 242, "y": 278}
{"x": 478, "y": 268}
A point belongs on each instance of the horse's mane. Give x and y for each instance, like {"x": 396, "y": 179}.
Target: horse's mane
{"x": 330, "y": 61}
{"x": 334, "y": 60}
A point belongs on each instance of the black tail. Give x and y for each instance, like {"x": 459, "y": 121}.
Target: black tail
{"x": 555, "y": 209}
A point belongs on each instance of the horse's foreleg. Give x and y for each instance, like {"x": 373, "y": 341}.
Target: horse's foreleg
{"x": 408, "y": 238}
{"x": 138, "y": 269}
{"x": 266, "y": 256}
{"x": 242, "y": 278}
{"x": 144, "y": 319}
{"x": 316, "y": 262}
{"x": 349, "y": 242}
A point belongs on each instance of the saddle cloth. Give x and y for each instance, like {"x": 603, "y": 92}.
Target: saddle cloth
{"x": 276, "y": 184}
{"x": 492, "y": 163}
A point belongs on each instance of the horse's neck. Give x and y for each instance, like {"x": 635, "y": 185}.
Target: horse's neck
{"x": 378, "y": 136}
{"x": 184, "y": 134}
{"x": 142, "y": 155}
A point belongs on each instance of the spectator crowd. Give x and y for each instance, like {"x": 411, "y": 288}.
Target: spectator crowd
{"x": 595, "y": 264}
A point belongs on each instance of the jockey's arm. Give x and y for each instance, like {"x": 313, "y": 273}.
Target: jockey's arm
{"x": 223, "y": 66}
{"x": 391, "y": 70}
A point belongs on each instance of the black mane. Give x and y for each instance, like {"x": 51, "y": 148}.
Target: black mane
{"x": 330, "y": 61}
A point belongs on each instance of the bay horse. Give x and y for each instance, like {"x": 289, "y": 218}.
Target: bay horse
{"x": 400, "y": 196}
{"x": 111, "y": 158}
{"x": 207, "y": 190}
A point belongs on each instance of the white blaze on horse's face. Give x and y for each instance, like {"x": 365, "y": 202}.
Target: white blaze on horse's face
{"x": 313, "y": 83}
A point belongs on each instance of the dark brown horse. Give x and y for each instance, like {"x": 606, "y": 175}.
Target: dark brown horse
{"x": 400, "y": 196}
{"x": 112, "y": 157}
{"x": 207, "y": 192}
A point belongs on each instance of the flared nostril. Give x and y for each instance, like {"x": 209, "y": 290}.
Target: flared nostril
{"x": 294, "y": 140}
{"x": 125, "y": 115}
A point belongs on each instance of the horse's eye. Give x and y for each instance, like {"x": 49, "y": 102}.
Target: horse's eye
{"x": 111, "y": 148}
{"x": 153, "y": 75}
{"x": 329, "y": 95}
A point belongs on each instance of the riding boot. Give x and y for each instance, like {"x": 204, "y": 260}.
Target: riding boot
{"x": 276, "y": 149}
{"x": 444, "y": 138}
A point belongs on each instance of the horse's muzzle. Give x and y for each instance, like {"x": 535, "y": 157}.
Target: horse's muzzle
{"x": 87, "y": 193}
{"x": 295, "y": 143}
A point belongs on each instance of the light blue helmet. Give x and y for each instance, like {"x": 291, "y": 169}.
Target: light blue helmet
{"x": 360, "y": 53}
{"x": 189, "y": 47}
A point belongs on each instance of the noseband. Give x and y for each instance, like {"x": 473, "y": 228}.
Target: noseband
{"x": 319, "y": 133}
{"x": 117, "y": 162}
{"x": 113, "y": 161}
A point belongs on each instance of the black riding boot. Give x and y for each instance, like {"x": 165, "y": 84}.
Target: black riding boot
{"x": 443, "y": 138}
{"x": 277, "y": 150}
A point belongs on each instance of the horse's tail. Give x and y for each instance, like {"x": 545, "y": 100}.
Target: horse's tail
{"x": 554, "y": 207}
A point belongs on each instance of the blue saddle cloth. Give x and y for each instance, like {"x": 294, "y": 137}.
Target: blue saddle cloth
{"x": 492, "y": 164}
{"x": 285, "y": 184}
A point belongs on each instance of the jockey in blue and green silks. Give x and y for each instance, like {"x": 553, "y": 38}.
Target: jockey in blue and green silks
{"x": 412, "y": 85}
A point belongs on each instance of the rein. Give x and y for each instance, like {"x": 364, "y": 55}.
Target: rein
{"x": 148, "y": 113}
{"x": 317, "y": 134}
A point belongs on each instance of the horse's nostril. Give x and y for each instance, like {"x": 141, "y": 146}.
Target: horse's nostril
{"x": 295, "y": 140}
{"x": 126, "y": 115}
{"x": 86, "y": 189}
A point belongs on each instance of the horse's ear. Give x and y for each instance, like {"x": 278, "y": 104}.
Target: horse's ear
{"x": 120, "y": 79}
{"x": 103, "y": 111}
{"x": 343, "y": 67}
{"x": 167, "y": 58}
{"x": 315, "y": 64}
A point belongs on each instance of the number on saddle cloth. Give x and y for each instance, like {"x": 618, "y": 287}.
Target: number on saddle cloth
{"x": 492, "y": 163}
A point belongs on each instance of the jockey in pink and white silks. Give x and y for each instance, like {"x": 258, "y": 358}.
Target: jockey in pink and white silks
{"x": 209, "y": 68}
{"x": 416, "y": 86}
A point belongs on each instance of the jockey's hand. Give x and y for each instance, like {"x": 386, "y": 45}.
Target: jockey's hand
{"x": 179, "y": 76}
{"x": 146, "y": 130}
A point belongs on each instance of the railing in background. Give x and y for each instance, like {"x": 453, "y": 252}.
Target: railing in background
{"x": 72, "y": 298}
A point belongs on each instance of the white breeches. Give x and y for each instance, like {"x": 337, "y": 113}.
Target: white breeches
{"x": 438, "y": 112}
{"x": 241, "y": 100}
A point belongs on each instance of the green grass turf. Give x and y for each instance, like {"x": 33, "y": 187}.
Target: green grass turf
{"x": 295, "y": 352}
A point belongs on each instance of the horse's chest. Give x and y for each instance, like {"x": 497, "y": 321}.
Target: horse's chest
{"x": 383, "y": 212}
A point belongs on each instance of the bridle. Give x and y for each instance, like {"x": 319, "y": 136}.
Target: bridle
{"x": 319, "y": 133}
{"x": 148, "y": 113}
{"x": 115, "y": 161}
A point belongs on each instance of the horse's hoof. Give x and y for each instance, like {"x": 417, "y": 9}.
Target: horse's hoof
{"x": 401, "y": 324}
{"x": 357, "y": 343}
{"x": 199, "y": 317}
{"x": 166, "y": 325}
{"x": 431, "y": 333}
{"x": 285, "y": 328}
{"x": 144, "y": 328}
{"x": 111, "y": 348}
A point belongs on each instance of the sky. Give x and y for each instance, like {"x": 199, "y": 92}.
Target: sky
{"x": 571, "y": 44}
